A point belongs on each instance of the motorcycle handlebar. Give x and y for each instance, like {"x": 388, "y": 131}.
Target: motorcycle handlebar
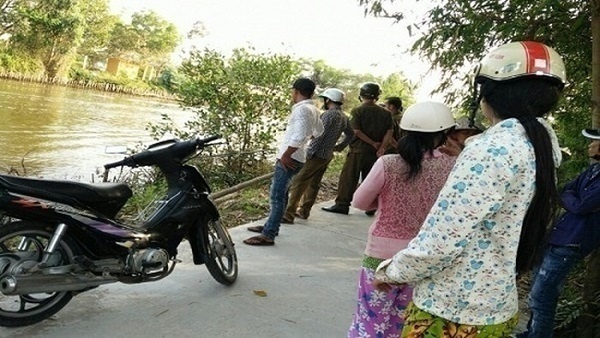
{"x": 130, "y": 161}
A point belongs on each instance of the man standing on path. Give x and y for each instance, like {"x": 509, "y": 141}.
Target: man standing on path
{"x": 373, "y": 127}
{"x": 303, "y": 124}
{"x": 305, "y": 186}
{"x": 394, "y": 105}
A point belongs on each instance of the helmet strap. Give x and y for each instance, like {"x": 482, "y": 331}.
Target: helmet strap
{"x": 474, "y": 106}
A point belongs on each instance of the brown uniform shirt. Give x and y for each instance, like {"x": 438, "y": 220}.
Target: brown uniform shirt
{"x": 372, "y": 120}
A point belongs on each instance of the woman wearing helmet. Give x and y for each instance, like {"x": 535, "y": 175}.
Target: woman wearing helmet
{"x": 402, "y": 187}
{"x": 489, "y": 220}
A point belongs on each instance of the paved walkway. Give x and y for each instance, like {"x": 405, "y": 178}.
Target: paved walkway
{"x": 309, "y": 278}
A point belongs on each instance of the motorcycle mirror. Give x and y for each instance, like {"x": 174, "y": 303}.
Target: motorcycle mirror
{"x": 115, "y": 150}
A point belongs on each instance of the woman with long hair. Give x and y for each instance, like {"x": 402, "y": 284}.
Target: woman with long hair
{"x": 488, "y": 223}
{"x": 402, "y": 187}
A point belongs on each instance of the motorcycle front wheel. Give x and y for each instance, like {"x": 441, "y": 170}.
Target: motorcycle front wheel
{"x": 219, "y": 252}
{"x": 22, "y": 246}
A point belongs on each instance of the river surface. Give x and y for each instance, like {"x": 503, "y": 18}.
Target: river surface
{"x": 62, "y": 133}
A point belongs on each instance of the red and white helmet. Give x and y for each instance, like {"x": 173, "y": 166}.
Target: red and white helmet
{"x": 522, "y": 59}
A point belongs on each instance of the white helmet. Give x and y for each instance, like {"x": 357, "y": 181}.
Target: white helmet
{"x": 520, "y": 59}
{"x": 334, "y": 95}
{"x": 427, "y": 117}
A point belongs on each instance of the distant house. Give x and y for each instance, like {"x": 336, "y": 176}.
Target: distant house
{"x": 118, "y": 66}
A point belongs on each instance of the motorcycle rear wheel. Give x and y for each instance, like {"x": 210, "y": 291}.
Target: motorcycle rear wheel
{"x": 22, "y": 243}
{"x": 220, "y": 257}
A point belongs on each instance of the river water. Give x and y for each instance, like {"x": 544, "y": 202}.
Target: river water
{"x": 62, "y": 133}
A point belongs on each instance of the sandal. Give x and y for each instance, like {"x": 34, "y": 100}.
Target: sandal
{"x": 259, "y": 229}
{"x": 301, "y": 215}
{"x": 259, "y": 240}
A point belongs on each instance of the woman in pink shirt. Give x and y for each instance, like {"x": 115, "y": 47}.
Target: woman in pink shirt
{"x": 402, "y": 187}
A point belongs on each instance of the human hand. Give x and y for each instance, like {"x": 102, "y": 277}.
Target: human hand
{"x": 287, "y": 162}
{"x": 594, "y": 150}
{"x": 384, "y": 286}
{"x": 451, "y": 147}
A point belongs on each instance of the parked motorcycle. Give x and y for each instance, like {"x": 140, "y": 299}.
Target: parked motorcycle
{"x": 63, "y": 239}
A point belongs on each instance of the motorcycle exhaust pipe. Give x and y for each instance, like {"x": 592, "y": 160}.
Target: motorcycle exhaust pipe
{"x": 22, "y": 285}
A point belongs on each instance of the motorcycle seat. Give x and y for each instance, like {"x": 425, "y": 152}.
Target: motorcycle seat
{"x": 105, "y": 197}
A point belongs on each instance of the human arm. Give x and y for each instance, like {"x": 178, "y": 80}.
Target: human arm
{"x": 387, "y": 139}
{"x": 286, "y": 158}
{"x": 348, "y": 136}
{"x": 473, "y": 193}
{"x": 298, "y": 130}
{"x": 358, "y": 133}
{"x": 365, "y": 196}
{"x": 582, "y": 196}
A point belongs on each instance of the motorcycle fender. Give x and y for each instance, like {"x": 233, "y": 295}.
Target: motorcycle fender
{"x": 198, "y": 231}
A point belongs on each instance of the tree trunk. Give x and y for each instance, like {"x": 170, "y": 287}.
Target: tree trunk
{"x": 588, "y": 325}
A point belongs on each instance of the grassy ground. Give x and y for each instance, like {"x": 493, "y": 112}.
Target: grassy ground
{"x": 252, "y": 203}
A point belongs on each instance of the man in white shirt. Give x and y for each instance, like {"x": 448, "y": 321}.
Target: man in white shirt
{"x": 304, "y": 123}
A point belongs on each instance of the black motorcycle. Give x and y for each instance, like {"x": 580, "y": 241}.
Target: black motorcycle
{"x": 63, "y": 239}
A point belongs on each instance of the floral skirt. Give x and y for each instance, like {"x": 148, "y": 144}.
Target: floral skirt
{"x": 421, "y": 324}
{"x": 378, "y": 314}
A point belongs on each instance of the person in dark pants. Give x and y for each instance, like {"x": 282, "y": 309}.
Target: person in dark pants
{"x": 575, "y": 235}
{"x": 305, "y": 186}
{"x": 373, "y": 126}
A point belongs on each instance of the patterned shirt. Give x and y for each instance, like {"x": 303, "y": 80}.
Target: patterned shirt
{"x": 463, "y": 261}
{"x": 335, "y": 122}
{"x": 303, "y": 124}
{"x": 402, "y": 204}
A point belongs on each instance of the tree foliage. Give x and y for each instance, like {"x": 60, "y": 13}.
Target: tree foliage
{"x": 455, "y": 35}
{"x": 244, "y": 98}
{"x": 50, "y": 30}
{"x": 148, "y": 38}
{"x": 326, "y": 76}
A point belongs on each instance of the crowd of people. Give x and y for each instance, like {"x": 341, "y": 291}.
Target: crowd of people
{"x": 461, "y": 213}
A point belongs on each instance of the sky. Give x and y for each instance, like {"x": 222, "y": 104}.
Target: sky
{"x": 335, "y": 31}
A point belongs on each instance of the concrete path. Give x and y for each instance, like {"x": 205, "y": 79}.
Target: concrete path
{"x": 309, "y": 278}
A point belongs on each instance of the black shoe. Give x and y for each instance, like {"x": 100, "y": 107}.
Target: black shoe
{"x": 370, "y": 212}
{"x": 336, "y": 209}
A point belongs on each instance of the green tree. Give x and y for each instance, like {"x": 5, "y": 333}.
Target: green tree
{"x": 98, "y": 23}
{"x": 50, "y": 30}
{"x": 7, "y": 15}
{"x": 148, "y": 38}
{"x": 454, "y": 35}
{"x": 326, "y": 76}
{"x": 396, "y": 85}
{"x": 244, "y": 98}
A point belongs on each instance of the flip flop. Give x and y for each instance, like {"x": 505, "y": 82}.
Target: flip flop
{"x": 258, "y": 228}
{"x": 259, "y": 240}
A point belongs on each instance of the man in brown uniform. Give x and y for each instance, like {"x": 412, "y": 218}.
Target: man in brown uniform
{"x": 373, "y": 127}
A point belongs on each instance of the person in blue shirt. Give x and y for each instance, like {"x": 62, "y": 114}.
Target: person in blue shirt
{"x": 574, "y": 236}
